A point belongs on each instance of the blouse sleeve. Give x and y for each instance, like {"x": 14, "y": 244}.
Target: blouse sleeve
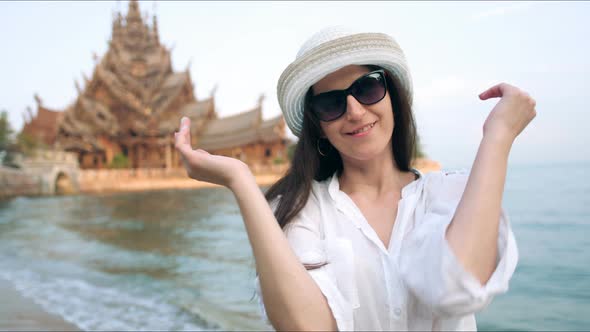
{"x": 433, "y": 272}
{"x": 303, "y": 234}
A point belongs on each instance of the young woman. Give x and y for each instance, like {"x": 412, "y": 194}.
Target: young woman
{"x": 358, "y": 239}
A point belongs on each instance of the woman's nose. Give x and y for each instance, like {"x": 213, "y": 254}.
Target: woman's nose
{"x": 354, "y": 109}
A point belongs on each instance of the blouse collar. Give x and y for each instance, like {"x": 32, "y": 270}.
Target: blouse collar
{"x": 334, "y": 185}
{"x": 344, "y": 203}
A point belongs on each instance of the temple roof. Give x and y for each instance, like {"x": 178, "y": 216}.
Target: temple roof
{"x": 134, "y": 93}
{"x": 140, "y": 85}
{"x": 43, "y": 125}
{"x": 197, "y": 111}
{"x": 104, "y": 121}
{"x": 241, "y": 129}
{"x": 168, "y": 91}
{"x": 234, "y": 123}
{"x": 272, "y": 129}
{"x": 47, "y": 116}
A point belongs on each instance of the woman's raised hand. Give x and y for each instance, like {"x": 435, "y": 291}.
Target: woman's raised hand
{"x": 514, "y": 111}
{"x": 203, "y": 166}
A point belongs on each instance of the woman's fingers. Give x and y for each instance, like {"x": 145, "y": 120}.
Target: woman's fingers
{"x": 193, "y": 160}
{"x": 185, "y": 125}
{"x": 512, "y": 113}
{"x": 203, "y": 166}
{"x": 496, "y": 91}
{"x": 183, "y": 137}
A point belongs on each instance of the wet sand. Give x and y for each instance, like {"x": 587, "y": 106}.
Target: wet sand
{"x": 18, "y": 313}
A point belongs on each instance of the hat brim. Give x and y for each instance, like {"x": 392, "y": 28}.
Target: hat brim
{"x": 360, "y": 49}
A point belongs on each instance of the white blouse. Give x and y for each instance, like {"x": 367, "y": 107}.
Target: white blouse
{"x": 415, "y": 284}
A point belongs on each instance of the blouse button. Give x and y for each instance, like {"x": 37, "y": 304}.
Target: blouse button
{"x": 397, "y": 311}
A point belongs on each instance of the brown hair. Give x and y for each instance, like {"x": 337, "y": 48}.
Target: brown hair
{"x": 308, "y": 165}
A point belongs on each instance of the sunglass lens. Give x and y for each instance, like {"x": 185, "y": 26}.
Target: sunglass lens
{"x": 370, "y": 89}
{"x": 329, "y": 106}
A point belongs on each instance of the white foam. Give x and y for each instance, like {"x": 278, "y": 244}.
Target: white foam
{"x": 93, "y": 307}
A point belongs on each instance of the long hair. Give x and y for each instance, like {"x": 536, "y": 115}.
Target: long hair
{"x": 308, "y": 165}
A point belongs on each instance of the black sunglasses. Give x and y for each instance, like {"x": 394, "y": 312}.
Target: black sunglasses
{"x": 368, "y": 89}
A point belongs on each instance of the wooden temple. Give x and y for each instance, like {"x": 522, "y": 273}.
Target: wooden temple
{"x": 133, "y": 103}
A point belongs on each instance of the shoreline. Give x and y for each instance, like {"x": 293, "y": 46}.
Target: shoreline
{"x": 152, "y": 184}
{"x": 20, "y": 313}
{"x": 114, "y": 183}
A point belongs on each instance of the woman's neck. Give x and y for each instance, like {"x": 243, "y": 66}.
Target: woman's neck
{"x": 374, "y": 177}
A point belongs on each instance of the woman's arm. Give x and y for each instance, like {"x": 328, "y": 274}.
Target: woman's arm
{"x": 292, "y": 299}
{"x": 473, "y": 232}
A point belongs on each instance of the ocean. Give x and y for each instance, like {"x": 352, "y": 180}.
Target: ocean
{"x": 180, "y": 259}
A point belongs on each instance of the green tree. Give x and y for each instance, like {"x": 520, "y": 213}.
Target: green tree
{"x": 119, "y": 161}
{"x": 6, "y": 131}
{"x": 26, "y": 143}
{"x": 7, "y": 146}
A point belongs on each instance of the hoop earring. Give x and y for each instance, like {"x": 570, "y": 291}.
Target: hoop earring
{"x": 318, "y": 148}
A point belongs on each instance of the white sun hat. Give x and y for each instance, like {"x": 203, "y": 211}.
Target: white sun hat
{"x": 328, "y": 50}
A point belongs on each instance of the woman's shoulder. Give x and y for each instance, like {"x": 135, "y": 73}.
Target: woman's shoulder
{"x": 311, "y": 209}
{"x": 320, "y": 189}
{"x": 446, "y": 175}
{"x": 445, "y": 183}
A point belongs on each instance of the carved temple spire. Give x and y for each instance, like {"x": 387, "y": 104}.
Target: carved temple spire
{"x": 37, "y": 99}
{"x": 117, "y": 26}
{"x": 30, "y": 113}
{"x": 77, "y": 86}
{"x": 133, "y": 14}
{"x": 86, "y": 79}
{"x": 261, "y": 99}
{"x": 155, "y": 30}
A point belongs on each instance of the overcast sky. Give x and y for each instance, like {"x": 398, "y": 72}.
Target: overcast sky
{"x": 455, "y": 50}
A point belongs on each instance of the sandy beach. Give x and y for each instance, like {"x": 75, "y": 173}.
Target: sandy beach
{"x": 18, "y": 313}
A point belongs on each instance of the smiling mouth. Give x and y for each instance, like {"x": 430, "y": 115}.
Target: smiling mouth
{"x": 363, "y": 129}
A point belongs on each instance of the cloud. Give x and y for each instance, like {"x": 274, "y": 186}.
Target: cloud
{"x": 502, "y": 10}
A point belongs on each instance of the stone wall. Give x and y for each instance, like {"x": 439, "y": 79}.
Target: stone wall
{"x": 16, "y": 182}
{"x": 42, "y": 158}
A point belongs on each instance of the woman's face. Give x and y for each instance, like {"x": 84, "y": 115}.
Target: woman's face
{"x": 364, "y": 131}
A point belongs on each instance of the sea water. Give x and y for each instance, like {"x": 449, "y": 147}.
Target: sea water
{"x": 180, "y": 259}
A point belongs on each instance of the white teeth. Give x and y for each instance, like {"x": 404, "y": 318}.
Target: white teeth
{"x": 362, "y": 130}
